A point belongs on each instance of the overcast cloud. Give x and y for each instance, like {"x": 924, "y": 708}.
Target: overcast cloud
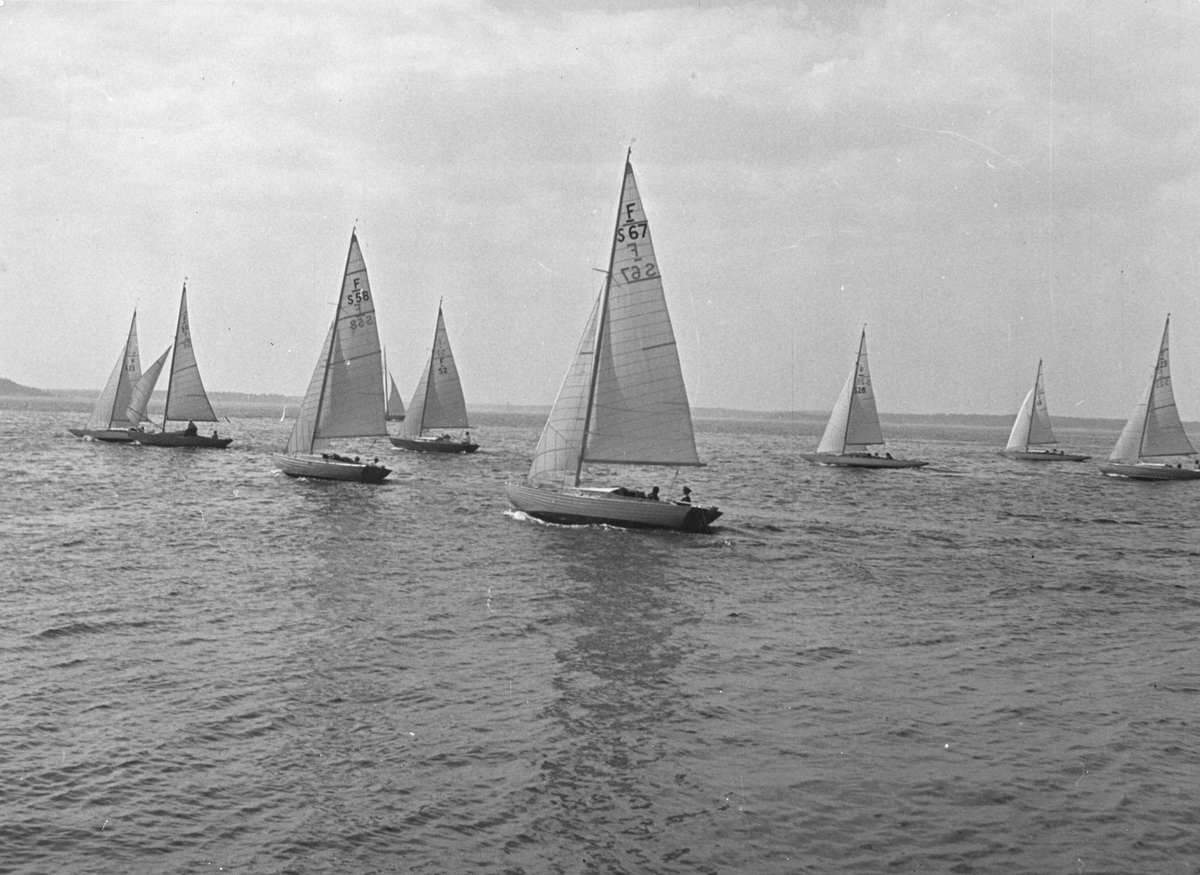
{"x": 981, "y": 184}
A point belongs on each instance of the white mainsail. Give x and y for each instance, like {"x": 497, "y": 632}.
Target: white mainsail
{"x": 345, "y": 396}
{"x": 111, "y": 406}
{"x": 1032, "y": 426}
{"x": 438, "y": 401}
{"x": 395, "y": 404}
{"x": 854, "y": 423}
{"x": 1155, "y": 429}
{"x": 139, "y": 398}
{"x": 623, "y": 400}
{"x": 186, "y": 398}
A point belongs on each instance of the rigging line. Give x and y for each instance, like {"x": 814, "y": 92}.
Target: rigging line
{"x": 1011, "y": 161}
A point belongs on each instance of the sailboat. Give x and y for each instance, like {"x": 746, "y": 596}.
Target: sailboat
{"x": 1153, "y": 431}
{"x": 854, "y": 425}
{"x": 110, "y": 417}
{"x": 623, "y": 401}
{"x": 1032, "y": 439}
{"x": 345, "y": 396}
{"x": 186, "y": 398}
{"x": 395, "y": 404}
{"x": 438, "y": 403}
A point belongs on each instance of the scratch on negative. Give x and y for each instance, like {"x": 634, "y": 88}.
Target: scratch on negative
{"x": 1016, "y": 164}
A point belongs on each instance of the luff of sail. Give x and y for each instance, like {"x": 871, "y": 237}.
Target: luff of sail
{"x": 186, "y": 398}
{"x": 1032, "y": 426}
{"x": 1155, "y": 429}
{"x": 854, "y": 423}
{"x": 111, "y": 406}
{"x": 345, "y": 395}
{"x": 139, "y": 399}
{"x": 438, "y": 402}
{"x": 623, "y": 400}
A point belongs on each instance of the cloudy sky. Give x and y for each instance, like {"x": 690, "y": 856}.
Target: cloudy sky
{"x": 982, "y": 184}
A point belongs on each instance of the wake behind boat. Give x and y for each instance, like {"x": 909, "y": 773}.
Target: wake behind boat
{"x": 623, "y": 401}
{"x": 1154, "y": 430}
{"x": 1032, "y": 439}
{"x": 345, "y": 395}
{"x": 186, "y": 398}
{"x": 438, "y": 403}
{"x": 853, "y": 426}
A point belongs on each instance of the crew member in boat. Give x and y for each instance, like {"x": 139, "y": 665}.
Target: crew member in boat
{"x": 190, "y": 431}
{"x": 466, "y": 437}
{"x": 687, "y": 496}
{"x": 653, "y": 496}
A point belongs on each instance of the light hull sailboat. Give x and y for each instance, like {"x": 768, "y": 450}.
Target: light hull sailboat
{"x": 854, "y": 425}
{"x": 437, "y": 404}
{"x": 1149, "y": 471}
{"x": 582, "y": 506}
{"x": 1042, "y": 456}
{"x": 345, "y": 395}
{"x": 324, "y": 467}
{"x": 1032, "y": 438}
{"x": 1153, "y": 430}
{"x": 623, "y": 401}
{"x": 856, "y": 460}
{"x": 108, "y": 435}
{"x": 109, "y": 420}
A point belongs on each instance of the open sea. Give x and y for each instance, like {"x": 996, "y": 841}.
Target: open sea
{"x": 981, "y": 666}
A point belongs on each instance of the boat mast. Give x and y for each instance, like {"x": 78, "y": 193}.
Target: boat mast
{"x": 1033, "y": 403}
{"x": 601, "y": 323}
{"x": 332, "y": 340}
{"x": 124, "y": 368}
{"x": 862, "y": 342}
{"x": 174, "y": 352}
{"x": 1154, "y": 379}
{"x": 429, "y": 377}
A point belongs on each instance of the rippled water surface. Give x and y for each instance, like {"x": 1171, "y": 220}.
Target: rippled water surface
{"x": 981, "y": 666}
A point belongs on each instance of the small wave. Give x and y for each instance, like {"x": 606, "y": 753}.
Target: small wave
{"x": 69, "y": 629}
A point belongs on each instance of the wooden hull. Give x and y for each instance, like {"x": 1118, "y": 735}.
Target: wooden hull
{"x": 1148, "y": 471}
{"x": 860, "y": 461}
{"x": 316, "y": 467}
{"x": 179, "y": 439}
{"x": 574, "y": 507}
{"x": 433, "y": 445}
{"x": 108, "y": 435}
{"x": 1042, "y": 456}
